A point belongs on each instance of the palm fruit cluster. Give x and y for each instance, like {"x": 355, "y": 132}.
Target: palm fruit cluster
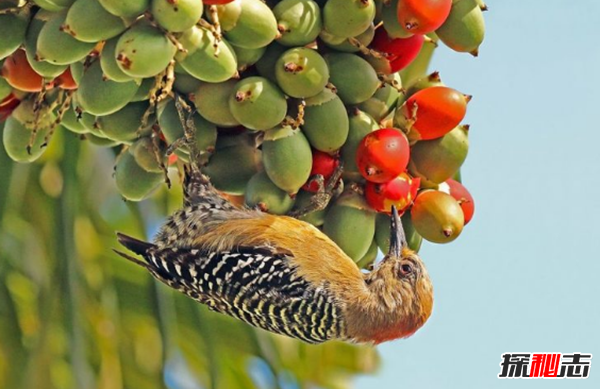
{"x": 281, "y": 94}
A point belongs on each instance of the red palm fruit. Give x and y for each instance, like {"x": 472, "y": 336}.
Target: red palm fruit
{"x": 423, "y": 16}
{"x": 8, "y": 100}
{"x": 435, "y": 111}
{"x": 462, "y": 195}
{"x": 399, "y": 51}
{"x": 66, "y": 81}
{"x": 19, "y": 74}
{"x": 7, "y": 105}
{"x": 323, "y": 164}
{"x": 382, "y": 155}
{"x": 401, "y": 191}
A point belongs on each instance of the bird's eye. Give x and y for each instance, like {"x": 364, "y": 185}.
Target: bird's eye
{"x": 406, "y": 269}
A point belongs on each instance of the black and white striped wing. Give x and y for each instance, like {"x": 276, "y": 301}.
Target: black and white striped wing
{"x": 257, "y": 286}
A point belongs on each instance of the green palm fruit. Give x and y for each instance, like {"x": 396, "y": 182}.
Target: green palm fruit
{"x": 12, "y": 30}
{"x": 84, "y": 119}
{"x": 176, "y": 16}
{"x": 257, "y": 103}
{"x": 301, "y": 72}
{"x": 72, "y": 123}
{"x": 287, "y": 158}
{"x": 247, "y": 57}
{"x": 369, "y": 257}
{"x": 248, "y": 23}
{"x": 133, "y": 182}
{"x": 77, "y": 69}
{"x": 354, "y": 78}
{"x": 261, "y": 192}
{"x": 464, "y": 29}
{"x": 125, "y": 9}
{"x": 212, "y": 102}
{"x": 146, "y": 156}
{"x": 143, "y": 92}
{"x": 123, "y": 124}
{"x": 350, "y": 223}
{"x": 88, "y": 21}
{"x": 348, "y": 18}
{"x": 343, "y": 44}
{"x": 98, "y": 96}
{"x": 57, "y": 46}
{"x": 234, "y": 164}
{"x": 428, "y": 81}
{"x": 144, "y": 51}
{"x": 87, "y": 120}
{"x": 43, "y": 68}
{"x": 186, "y": 83}
{"x": 200, "y": 60}
{"x": 17, "y": 132}
{"x": 325, "y": 121}
{"x": 298, "y": 21}
{"x": 100, "y": 141}
{"x": 54, "y": 5}
{"x": 436, "y": 160}
{"x": 16, "y": 138}
{"x": 108, "y": 62}
{"x": 457, "y": 176}
{"x": 383, "y": 101}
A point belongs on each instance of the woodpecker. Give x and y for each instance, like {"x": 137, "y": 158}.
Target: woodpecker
{"x": 282, "y": 274}
{"x": 279, "y": 273}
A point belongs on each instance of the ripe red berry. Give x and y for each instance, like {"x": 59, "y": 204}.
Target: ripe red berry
{"x": 423, "y": 16}
{"x": 323, "y": 164}
{"x": 462, "y": 195}
{"x": 435, "y": 111}
{"x": 382, "y": 155}
{"x": 401, "y": 191}
{"x": 399, "y": 51}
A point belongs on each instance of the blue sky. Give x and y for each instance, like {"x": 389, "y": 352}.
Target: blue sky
{"x": 525, "y": 274}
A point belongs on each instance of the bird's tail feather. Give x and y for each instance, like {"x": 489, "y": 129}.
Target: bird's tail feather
{"x": 137, "y": 246}
{"x": 130, "y": 258}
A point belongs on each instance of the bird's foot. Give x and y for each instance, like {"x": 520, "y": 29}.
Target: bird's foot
{"x": 325, "y": 192}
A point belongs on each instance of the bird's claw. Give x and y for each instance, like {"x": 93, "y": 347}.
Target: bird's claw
{"x": 321, "y": 199}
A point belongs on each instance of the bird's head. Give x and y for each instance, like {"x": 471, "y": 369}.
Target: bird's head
{"x": 401, "y": 286}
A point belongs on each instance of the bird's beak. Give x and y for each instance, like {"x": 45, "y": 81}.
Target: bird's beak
{"x": 397, "y": 237}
